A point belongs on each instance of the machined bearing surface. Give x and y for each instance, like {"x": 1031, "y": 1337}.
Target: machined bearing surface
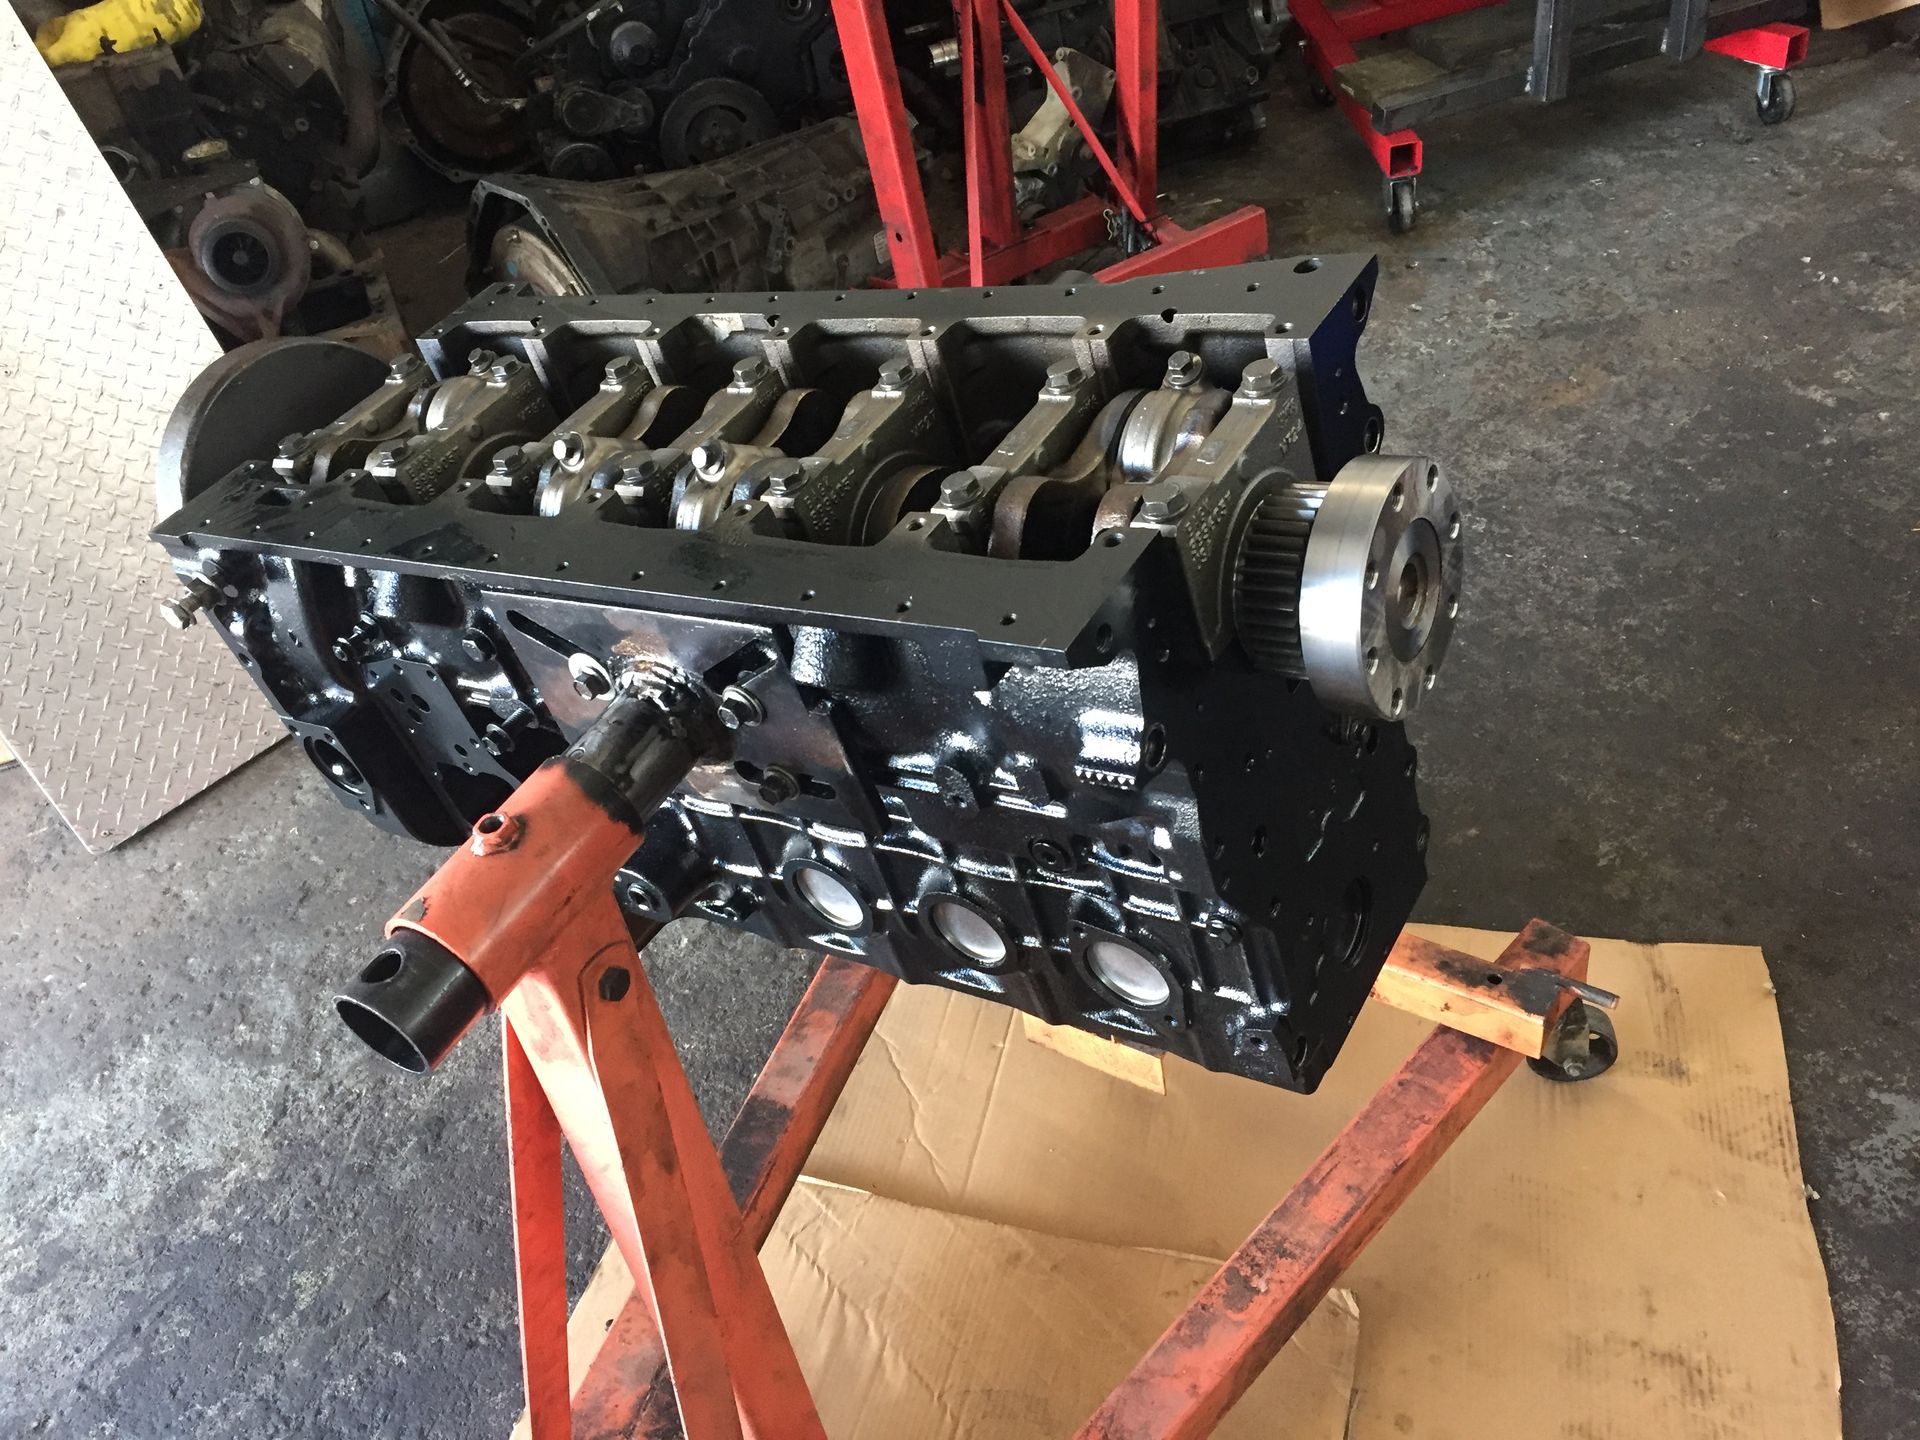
{"x": 1380, "y": 585}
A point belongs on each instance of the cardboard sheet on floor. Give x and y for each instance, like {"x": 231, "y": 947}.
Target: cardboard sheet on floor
{"x": 911, "y": 1322}
{"x": 1616, "y": 1260}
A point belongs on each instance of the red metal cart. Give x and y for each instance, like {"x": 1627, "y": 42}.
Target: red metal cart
{"x": 1384, "y": 100}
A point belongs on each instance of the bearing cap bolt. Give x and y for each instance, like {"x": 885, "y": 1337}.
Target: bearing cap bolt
{"x": 960, "y": 489}
{"x": 1260, "y": 379}
{"x": 622, "y": 372}
{"x": 711, "y": 458}
{"x": 785, "y": 478}
{"x": 750, "y": 372}
{"x": 1184, "y": 370}
{"x": 1164, "y": 507}
{"x": 895, "y": 374}
{"x": 1062, "y": 376}
{"x": 570, "y": 449}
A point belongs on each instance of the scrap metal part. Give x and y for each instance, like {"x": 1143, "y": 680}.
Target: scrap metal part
{"x": 1061, "y": 635}
{"x": 793, "y": 213}
{"x": 590, "y": 91}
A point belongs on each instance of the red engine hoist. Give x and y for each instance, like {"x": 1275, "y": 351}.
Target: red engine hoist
{"x": 999, "y": 246}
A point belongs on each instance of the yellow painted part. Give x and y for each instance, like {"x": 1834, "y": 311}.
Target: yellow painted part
{"x": 127, "y": 24}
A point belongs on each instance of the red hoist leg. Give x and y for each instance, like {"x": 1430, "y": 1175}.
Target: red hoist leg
{"x": 1000, "y": 248}
{"x": 527, "y": 908}
{"x": 867, "y": 48}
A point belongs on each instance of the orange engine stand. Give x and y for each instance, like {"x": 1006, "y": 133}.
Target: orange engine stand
{"x": 523, "y": 918}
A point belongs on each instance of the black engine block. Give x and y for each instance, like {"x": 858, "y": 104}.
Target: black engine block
{"x": 1064, "y": 633}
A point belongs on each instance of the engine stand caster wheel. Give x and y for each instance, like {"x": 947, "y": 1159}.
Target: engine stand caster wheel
{"x": 1583, "y": 1046}
{"x": 1318, "y": 92}
{"x": 1773, "y": 97}
{"x": 1403, "y": 206}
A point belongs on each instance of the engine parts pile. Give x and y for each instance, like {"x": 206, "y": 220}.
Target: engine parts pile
{"x": 1063, "y": 636}
{"x": 586, "y": 92}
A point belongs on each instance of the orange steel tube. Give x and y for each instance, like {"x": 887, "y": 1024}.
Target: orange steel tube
{"x": 1236, "y": 1325}
{"x": 528, "y": 906}
{"x": 624, "y": 1391}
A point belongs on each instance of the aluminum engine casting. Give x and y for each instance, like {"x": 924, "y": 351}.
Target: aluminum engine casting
{"x": 1064, "y": 633}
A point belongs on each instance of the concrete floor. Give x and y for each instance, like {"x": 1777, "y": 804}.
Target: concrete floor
{"x": 1670, "y": 357}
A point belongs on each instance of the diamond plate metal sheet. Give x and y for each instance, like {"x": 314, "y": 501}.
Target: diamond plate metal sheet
{"x": 118, "y": 718}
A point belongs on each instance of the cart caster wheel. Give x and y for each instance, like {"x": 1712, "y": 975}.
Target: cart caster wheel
{"x": 1773, "y": 99}
{"x": 1583, "y": 1047}
{"x": 1318, "y": 93}
{"x": 1403, "y": 208}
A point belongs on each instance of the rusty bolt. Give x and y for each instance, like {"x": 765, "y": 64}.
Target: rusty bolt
{"x": 1260, "y": 379}
{"x": 1062, "y": 376}
{"x": 496, "y": 832}
{"x": 1184, "y": 369}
